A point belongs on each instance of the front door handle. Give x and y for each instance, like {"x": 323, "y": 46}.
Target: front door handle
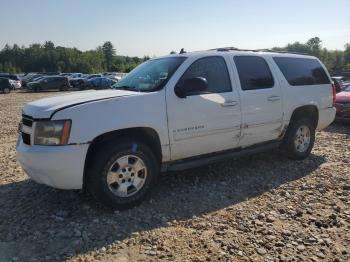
{"x": 229, "y": 103}
{"x": 274, "y": 98}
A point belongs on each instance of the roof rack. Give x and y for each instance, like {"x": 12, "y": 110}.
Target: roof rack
{"x": 226, "y": 49}
{"x": 282, "y": 52}
{"x": 231, "y": 48}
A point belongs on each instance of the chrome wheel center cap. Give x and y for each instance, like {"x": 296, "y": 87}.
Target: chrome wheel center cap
{"x": 127, "y": 175}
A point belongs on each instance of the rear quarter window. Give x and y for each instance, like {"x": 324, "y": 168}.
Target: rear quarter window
{"x": 302, "y": 71}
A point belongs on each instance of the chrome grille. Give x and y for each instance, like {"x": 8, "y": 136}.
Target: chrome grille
{"x": 26, "y": 129}
{"x": 27, "y": 121}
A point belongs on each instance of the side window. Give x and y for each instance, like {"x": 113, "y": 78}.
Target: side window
{"x": 302, "y": 71}
{"x": 214, "y": 70}
{"x": 254, "y": 72}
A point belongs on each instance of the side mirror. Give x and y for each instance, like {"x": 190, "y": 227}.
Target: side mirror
{"x": 191, "y": 86}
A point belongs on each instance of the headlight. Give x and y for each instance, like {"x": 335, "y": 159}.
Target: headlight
{"x": 52, "y": 132}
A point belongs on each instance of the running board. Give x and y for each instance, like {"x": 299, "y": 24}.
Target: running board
{"x": 207, "y": 159}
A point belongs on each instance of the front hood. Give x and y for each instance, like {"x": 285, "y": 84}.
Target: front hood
{"x": 44, "y": 108}
{"x": 343, "y": 97}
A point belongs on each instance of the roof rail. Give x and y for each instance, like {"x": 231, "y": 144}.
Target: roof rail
{"x": 226, "y": 49}
{"x": 231, "y": 48}
{"x": 282, "y": 52}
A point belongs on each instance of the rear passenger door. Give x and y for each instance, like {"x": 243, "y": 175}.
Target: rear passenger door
{"x": 261, "y": 100}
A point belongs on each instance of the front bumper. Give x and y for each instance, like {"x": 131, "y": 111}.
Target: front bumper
{"x": 56, "y": 166}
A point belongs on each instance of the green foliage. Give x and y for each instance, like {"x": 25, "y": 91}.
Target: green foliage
{"x": 109, "y": 53}
{"x": 334, "y": 60}
{"x": 51, "y": 58}
{"x": 347, "y": 54}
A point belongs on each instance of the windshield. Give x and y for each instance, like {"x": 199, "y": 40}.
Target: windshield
{"x": 151, "y": 75}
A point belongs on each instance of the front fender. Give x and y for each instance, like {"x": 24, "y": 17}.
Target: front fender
{"x": 92, "y": 119}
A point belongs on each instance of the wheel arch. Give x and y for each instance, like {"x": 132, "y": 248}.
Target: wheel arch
{"x": 147, "y": 135}
{"x": 309, "y": 111}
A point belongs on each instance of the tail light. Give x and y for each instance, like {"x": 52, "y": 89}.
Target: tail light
{"x": 334, "y": 90}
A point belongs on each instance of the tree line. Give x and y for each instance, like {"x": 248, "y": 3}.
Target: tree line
{"x": 50, "y": 58}
{"x": 335, "y": 60}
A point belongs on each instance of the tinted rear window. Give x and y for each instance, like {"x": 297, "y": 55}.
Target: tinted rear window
{"x": 302, "y": 71}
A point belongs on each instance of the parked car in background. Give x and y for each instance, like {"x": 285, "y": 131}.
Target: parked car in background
{"x": 101, "y": 82}
{"x": 49, "y": 83}
{"x": 65, "y": 74}
{"x": 111, "y": 75}
{"x": 88, "y": 79}
{"x": 119, "y": 76}
{"x": 80, "y": 82}
{"x": 83, "y": 81}
{"x": 14, "y": 80}
{"x": 114, "y": 75}
{"x": 93, "y": 76}
{"x": 29, "y": 78}
{"x": 75, "y": 75}
{"x": 342, "y": 104}
{"x": 5, "y": 85}
{"x": 51, "y": 73}
{"x": 339, "y": 82}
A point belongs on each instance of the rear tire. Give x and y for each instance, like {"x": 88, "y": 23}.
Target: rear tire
{"x": 299, "y": 139}
{"x": 7, "y": 90}
{"x": 122, "y": 174}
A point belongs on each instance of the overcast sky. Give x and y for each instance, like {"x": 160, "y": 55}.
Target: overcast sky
{"x": 155, "y": 27}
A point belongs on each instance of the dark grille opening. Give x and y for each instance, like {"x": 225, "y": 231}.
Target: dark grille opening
{"x": 26, "y": 138}
{"x": 27, "y": 122}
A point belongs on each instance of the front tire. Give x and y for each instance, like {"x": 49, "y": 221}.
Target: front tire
{"x": 299, "y": 139}
{"x": 122, "y": 174}
{"x": 7, "y": 90}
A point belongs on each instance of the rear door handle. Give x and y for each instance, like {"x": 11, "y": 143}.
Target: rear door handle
{"x": 274, "y": 98}
{"x": 229, "y": 103}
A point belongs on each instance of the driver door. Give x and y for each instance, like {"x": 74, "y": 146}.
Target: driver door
{"x": 208, "y": 121}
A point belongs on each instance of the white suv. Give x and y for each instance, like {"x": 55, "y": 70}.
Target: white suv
{"x": 172, "y": 113}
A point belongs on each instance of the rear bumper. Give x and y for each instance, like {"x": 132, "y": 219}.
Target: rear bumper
{"x": 56, "y": 166}
{"x": 325, "y": 118}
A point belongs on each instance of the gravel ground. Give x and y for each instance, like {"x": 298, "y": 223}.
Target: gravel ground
{"x": 259, "y": 208}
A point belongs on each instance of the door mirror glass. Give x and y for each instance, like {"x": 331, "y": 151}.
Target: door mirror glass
{"x": 191, "y": 86}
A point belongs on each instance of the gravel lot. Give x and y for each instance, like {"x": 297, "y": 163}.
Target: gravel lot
{"x": 259, "y": 208}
